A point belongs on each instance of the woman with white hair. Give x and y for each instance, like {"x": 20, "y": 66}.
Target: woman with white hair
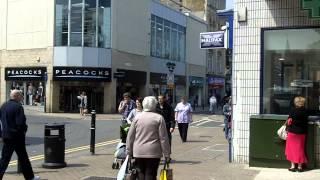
{"x": 148, "y": 141}
{"x": 297, "y": 127}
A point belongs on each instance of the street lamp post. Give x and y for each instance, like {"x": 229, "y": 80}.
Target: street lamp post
{"x": 170, "y": 79}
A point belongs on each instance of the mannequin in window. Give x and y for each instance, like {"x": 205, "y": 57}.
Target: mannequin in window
{"x": 30, "y": 93}
{"x": 40, "y": 92}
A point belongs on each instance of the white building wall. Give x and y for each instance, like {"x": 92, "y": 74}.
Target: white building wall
{"x": 247, "y": 59}
{"x": 30, "y": 24}
{"x": 195, "y": 55}
{"x": 131, "y": 26}
{"x": 3, "y": 22}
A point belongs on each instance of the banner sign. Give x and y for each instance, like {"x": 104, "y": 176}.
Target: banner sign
{"x": 216, "y": 82}
{"x": 81, "y": 74}
{"x": 25, "y": 73}
{"x": 212, "y": 40}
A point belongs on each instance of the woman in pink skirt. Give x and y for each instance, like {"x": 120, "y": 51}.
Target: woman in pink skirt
{"x": 297, "y": 126}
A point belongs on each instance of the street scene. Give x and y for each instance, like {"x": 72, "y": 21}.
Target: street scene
{"x": 160, "y": 89}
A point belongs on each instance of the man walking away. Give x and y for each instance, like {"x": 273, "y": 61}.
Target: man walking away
{"x": 13, "y": 131}
{"x": 167, "y": 112}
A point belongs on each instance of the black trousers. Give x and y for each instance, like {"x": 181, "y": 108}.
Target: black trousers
{"x": 147, "y": 168}
{"x": 18, "y": 145}
{"x": 183, "y": 130}
{"x": 169, "y": 135}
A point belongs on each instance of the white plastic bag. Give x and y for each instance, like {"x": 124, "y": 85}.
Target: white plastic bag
{"x": 282, "y": 132}
{"x": 123, "y": 168}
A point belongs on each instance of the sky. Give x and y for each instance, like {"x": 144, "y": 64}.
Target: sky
{"x": 229, "y": 4}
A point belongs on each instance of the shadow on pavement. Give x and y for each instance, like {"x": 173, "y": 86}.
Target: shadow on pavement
{"x": 76, "y": 165}
{"x": 196, "y": 141}
{"x": 185, "y": 162}
{"x": 33, "y": 141}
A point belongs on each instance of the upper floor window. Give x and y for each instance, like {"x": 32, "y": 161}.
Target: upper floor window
{"x": 167, "y": 39}
{"x": 83, "y": 23}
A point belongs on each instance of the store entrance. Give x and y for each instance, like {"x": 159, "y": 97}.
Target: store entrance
{"x": 69, "y": 102}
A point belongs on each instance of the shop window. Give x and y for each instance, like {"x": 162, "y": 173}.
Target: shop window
{"x": 291, "y": 68}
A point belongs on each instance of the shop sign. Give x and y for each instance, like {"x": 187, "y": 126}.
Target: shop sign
{"x": 25, "y": 73}
{"x": 164, "y": 79}
{"x": 196, "y": 81}
{"x": 212, "y": 40}
{"x": 158, "y": 78}
{"x": 81, "y": 74}
{"x": 216, "y": 82}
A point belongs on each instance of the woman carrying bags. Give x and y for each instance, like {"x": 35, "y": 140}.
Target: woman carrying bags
{"x": 297, "y": 126}
{"x": 148, "y": 140}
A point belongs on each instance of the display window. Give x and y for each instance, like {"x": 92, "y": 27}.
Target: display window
{"x": 291, "y": 67}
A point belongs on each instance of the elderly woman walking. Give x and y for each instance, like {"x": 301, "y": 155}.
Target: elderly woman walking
{"x": 148, "y": 141}
{"x": 183, "y": 115}
{"x": 297, "y": 126}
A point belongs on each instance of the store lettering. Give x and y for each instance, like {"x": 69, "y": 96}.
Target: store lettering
{"x": 83, "y": 72}
{"x": 209, "y": 40}
{"x": 25, "y": 72}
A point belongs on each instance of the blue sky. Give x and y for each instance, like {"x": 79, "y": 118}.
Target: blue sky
{"x": 229, "y": 4}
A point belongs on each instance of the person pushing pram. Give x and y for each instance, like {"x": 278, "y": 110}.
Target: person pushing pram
{"x": 120, "y": 153}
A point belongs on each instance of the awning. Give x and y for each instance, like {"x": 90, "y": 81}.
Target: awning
{"x": 313, "y": 6}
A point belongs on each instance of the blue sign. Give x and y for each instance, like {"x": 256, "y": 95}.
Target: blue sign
{"x": 212, "y": 40}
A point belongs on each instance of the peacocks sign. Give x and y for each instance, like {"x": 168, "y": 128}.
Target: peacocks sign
{"x": 313, "y": 6}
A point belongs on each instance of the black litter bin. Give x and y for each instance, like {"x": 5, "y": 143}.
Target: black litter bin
{"x": 54, "y": 146}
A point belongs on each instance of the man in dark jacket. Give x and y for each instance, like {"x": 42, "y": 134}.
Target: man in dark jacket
{"x": 167, "y": 112}
{"x": 13, "y": 131}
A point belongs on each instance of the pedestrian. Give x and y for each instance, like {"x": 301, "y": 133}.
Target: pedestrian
{"x": 183, "y": 116}
{"x": 13, "y": 131}
{"x": 164, "y": 108}
{"x": 148, "y": 141}
{"x": 126, "y": 105}
{"x": 196, "y": 100}
{"x": 213, "y": 102}
{"x": 135, "y": 111}
{"x": 297, "y": 126}
{"x": 83, "y": 102}
{"x": 30, "y": 93}
{"x": 227, "y": 110}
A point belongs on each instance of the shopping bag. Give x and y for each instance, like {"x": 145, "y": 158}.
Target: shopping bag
{"x": 282, "y": 132}
{"x": 123, "y": 169}
{"x": 163, "y": 174}
{"x": 131, "y": 173}
{"x": 166, "y": 173}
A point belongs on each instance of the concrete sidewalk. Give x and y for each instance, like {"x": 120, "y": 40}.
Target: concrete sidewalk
{"x": 203, "y": 157}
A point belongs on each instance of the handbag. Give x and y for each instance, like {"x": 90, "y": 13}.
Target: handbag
{"x": 166, "y": 173}
{"x": 131, "y": 173}
{"x": 282, "y": 132}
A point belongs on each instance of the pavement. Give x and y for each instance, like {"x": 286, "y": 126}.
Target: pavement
{"x": 203, "y": 157}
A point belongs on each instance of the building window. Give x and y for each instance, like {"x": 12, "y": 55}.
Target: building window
{"x": 61, "y": 28}
{"x": 167, "y": 39}
{"x": 104, "y": 25}
{"x": 90, "y": 22}
{"x": 291, "y": 68}
{"x": 83, "y": 23}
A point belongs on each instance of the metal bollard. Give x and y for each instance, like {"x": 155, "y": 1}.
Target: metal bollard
{"x": 93, "y": 131}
